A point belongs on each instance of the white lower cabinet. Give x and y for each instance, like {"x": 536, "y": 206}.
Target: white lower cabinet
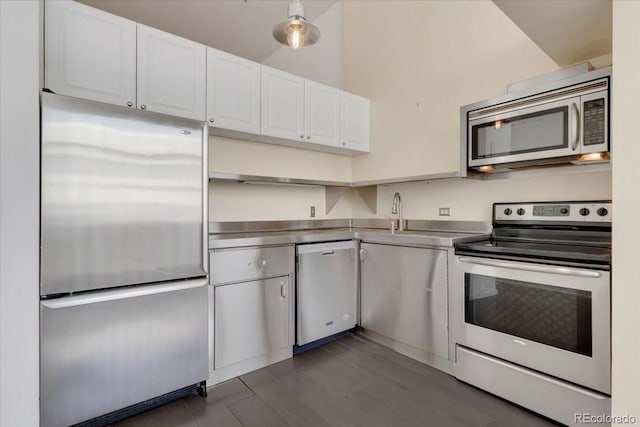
{"x": 251, "y": 320}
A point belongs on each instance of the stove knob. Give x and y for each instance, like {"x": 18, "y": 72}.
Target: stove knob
{"x": 520, "y": 211}
{"x": 508, "y": 211}
{"x": 602, "y": 212}
{"x": 584, "y": 211}
{"x": 564, "y": 211}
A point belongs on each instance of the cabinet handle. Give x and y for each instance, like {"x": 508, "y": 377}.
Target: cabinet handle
{"x": 344, "y": 143}
{"x": 363, "y": 255}
{"x": 212, "y": 120}
{"x": 262, "y": 263}
{"x": 283, "y": 289}
{"x": 129, "y": 104}
{"x": 144, "y": 107}
{"x": 301, "y": 136}
{"x": 308, "y": 137}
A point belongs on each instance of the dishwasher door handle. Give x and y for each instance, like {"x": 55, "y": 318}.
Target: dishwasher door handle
{"x": 328, "y": 252}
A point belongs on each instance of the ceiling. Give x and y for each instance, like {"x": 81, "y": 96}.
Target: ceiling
{"x": 569, "y": 31}
{"x": 241, "y": 27}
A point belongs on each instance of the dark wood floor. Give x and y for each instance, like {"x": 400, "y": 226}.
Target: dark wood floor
{"x": 348, "y": 382}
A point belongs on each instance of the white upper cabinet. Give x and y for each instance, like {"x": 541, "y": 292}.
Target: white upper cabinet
{"x": 95, "y": 55}
{"x": 321, "y": 118}
{"x": 328, "y": 119}
{"x": 171, "y": 74}
{"x": 233, "y": 92}
{"x": 282, "y": 104}
{"x": 89, "y": 53}
{"x": 354, "y": 122}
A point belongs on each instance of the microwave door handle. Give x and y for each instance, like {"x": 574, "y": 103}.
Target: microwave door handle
{"x": 575, "y": 126}
{"x": 530, "y": 267}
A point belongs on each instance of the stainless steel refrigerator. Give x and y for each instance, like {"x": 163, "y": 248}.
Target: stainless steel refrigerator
{"x": 123, "y": 309}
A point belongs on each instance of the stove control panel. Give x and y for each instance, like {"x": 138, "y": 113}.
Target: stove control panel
{"x": 553, "y": 212}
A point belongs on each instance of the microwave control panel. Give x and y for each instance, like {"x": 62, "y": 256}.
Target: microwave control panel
{"x": 594, "y": 121}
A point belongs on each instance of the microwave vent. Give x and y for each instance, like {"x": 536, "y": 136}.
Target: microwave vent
{"x": 554, "y": 76}
{"x": 549, "y": 96}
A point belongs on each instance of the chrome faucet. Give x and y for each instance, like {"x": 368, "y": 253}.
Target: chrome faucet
{"x": 396, "y": 208}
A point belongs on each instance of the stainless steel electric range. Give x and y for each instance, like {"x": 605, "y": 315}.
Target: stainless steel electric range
{"x": 532, "y": 307}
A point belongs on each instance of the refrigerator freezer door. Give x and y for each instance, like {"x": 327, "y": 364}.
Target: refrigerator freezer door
{"x": 103, "y": 351}
{"x": 122, "y": 196}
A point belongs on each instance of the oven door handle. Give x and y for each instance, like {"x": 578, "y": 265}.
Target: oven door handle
{"x": 567, "y": 271}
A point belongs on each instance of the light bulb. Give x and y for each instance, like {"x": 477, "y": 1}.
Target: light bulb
{"x": 296, "y": 33}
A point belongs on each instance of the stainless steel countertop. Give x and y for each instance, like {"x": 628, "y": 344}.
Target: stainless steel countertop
{"x": 373, "y": 235}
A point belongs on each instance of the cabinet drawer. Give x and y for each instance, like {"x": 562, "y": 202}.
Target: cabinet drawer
{"x": 237, "y": 265}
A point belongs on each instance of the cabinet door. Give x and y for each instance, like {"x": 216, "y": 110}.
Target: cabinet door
{"x": 404, "y": 295}
{"x": 233, "y": 92}
{"x": 321, "y": 113}
{"x": 282, "y": 104}
{"x": 251, "y": 319}
{"x": 171, "y": 74}
{"x": 89, "y": 53}
{"x": 354, "y": 122}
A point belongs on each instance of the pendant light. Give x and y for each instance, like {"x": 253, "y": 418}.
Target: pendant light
{"x": 296, "y": 31}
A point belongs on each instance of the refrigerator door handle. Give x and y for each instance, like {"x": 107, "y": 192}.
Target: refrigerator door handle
{"x": 119, "y": 294}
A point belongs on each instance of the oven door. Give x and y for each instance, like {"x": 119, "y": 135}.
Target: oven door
{"x": 552, "y": 319}
{"x": 540, "y": 131}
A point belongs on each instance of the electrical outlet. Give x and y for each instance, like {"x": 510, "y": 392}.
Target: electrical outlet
{"x": 444, "y": 211}
{"x": 312, "y": 211}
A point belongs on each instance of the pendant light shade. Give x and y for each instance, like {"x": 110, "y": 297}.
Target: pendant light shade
{"x": 296, "y": 31}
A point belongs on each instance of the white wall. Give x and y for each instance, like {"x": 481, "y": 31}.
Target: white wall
{"x": 418, "y": 62}
{"x": 19, "y": 211}
{"x": 626, "y": 196}
{"x": 471, "y": 199}
{"x": 252, "y": 202}
{"x": 323, "y": 61}
{"x": 230, "y": 201}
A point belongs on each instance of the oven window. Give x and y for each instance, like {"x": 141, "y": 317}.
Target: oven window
{"x": 551, "y": 315}
{"x": 539, "y": 131}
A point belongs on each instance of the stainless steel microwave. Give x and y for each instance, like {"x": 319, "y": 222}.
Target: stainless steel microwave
{"x": 560, "y": 122}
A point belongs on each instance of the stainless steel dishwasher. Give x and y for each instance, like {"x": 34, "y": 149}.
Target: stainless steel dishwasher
{"x": 326, "y": 291}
